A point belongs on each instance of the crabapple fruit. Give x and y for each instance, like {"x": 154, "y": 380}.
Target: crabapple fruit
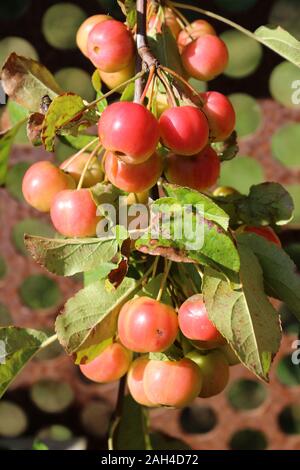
{"x": 214, "y": 370}
{"x": 205, "y": 58}
{"x": 111, "y": 364}
{"x": 197, "y": 172}
{"x": 133, "y": 178}
{"x": 172, "y": 383}
{"x": 184, "y": 130}
{"x": 194, "y": 31}
{"x": 74, "y": 213}
{"x": 220, "y": 115}
{"x": 146, "y": 325}
{"x": 194, "y": 322}
{"x": 129, "y": 130}
{"x": 137, "y": 198}
{"x": 224, "y": 191}
{"x": 135, "y": 381}
{"x": 113, "y": 80}
{"x": 110, "y": 46}
{"x": 265, "y": 232}
{"x": 74, "y": 167}
{"x": 41, "y": 182}
{"x": 161, "y": 101}
{"x": 85, "y": 29}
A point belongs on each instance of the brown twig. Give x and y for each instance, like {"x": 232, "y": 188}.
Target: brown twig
{"x": 144, "y": 51}
{"x": 149, "y": 81}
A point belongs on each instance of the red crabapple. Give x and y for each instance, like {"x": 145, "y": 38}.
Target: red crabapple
{"x": 194, "y": 322}
{"x": 205, "y": 58}
{"x": 111, "y": 364}
{"x": 73, "y": 213}
{"x": 133, "y": 178}
{"x": 265, "y": 232}
{"x": 198, "y": 172}
{"x": 110, "y": 46}
{"x": 184, "y": 129}
{"x": 41, "y": 182}
{"x": 135, "y": 381}
{"x": 85, "y": 29}
{"x": 220, "y": 115}
{"x": 172, "y": 383}
{"x": 75, "y": 167}
{"x": 146, "y": 325}
{"x": 214, "y": 370}
{"x": 194, "y": 31}
{"x": 129, "y": 130}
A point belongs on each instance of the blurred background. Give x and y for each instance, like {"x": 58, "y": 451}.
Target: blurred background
{"x": 51, "y": 401}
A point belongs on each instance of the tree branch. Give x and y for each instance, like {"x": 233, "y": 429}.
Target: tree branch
{"x": 144, "y": 51}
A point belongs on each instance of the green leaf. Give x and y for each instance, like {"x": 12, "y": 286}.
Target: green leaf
{"x": 60, "y": 113}
{"x": 96, "y": 81}
{"x": 66, "y": 257}
{"x": 98, "y": 274}
{"x": 165, "y": 49}
{"x": 91, "y": 349}
{"x": 228, "y": 149}
{"x": 128, "y": 93}
{"x": 275, "y": 38}
{"x": 244, "y": 316}
{"x": 211, "y": 211}
{"x": 79, "y": 141}
{"x": 160, "y": 441}
{"x": 280, "y": 41}
{"x": 131, "y": 429}
{"x": 27, "y": 81}
{"x": 17, "y": 347}
{"x": 266, "y": 204}
{"x": 102, "y": 104}
{"x": 38, "y": 445}
{"x": 6, "y": 142}
{"x": 281, "y": 278}
{"x": 128, "y": 7}
{"x": 200, "y": 241}
{"x": 92, "y": 313}
{"x": 171, "y": 354}
{"x": 16, "y": 112}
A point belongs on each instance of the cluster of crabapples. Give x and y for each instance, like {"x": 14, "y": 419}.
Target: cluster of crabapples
{"x": 110, "y": 46}
{"x": 132, "y": 137}
{"x": 131, "y": 134}
{"x": 148, "y": 326}
{"x": 139, "y": 147}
